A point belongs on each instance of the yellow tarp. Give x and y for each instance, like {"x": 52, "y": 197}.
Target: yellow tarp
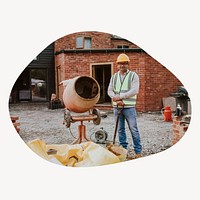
{"x": 78, "y": 155}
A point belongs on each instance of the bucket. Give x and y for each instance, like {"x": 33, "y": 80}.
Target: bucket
{"x": 81, "y": 94}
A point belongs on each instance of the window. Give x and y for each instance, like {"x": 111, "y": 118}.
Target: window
{"x": 79, "y": 42}
{"x": 122, "y": 46}
{"x": 83, "y": 42}
{"x": 87, "y": 43}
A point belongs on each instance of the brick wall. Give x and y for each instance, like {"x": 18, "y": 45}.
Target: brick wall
{"x": 156, "y": 81}
{"x": 159, "y": 83}
{"x": 99, "y": 41}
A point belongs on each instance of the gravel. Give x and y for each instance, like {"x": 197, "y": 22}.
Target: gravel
{"x": 37, "y": 121}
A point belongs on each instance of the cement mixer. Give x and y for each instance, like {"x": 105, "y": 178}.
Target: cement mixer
{"x": 80, "y": 95}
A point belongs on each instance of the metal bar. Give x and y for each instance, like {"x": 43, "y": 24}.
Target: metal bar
{"x": 83, "y": 118}
{"x": 116, "y": 126}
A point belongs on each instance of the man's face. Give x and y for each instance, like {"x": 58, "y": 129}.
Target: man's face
{"x": 123, "y": 66}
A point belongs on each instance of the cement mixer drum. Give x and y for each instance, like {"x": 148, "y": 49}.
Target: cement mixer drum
{"x": 81, "y": 94}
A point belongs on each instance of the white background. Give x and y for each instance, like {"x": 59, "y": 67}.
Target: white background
{"x": 167, "y": 30}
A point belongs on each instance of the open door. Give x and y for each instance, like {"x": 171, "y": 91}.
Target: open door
{"x": 102, "y": 73}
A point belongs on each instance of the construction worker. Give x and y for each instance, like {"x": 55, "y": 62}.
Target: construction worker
{"x": 123, "y": 89}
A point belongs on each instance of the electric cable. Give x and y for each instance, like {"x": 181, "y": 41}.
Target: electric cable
{"x": 71, "y": 133}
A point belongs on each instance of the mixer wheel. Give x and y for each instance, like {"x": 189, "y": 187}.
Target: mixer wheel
{"x": 98, "y": 119}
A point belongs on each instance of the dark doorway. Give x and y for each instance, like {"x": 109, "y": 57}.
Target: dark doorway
{"x": 102, "y": 74}
{"x": 38, "y": 79}
{"x": 30, "y": 86}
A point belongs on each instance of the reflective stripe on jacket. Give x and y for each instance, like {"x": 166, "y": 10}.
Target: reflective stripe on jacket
{"x": 123, "y": 86}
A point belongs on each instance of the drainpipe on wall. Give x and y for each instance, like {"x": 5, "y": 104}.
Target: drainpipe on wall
{"x": 57, "y": 80}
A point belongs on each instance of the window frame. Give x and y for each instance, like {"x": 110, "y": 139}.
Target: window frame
{"x": 81, "y": 44}
{"x": 123, "y": 46}
{"x": 89, "y": 39}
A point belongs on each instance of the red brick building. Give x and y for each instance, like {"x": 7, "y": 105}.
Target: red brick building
{"x": 95, "y": 54}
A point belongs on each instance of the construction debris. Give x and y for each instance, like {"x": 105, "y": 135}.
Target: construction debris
{"x": 16, "y": 124}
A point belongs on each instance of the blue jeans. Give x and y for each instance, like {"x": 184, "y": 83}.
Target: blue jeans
{"x": 128, "y": 114}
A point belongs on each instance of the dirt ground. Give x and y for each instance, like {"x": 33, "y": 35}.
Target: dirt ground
{"x": 37, "y": 121}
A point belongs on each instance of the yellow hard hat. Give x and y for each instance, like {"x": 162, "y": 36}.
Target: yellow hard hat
{"x": 123, "y": 58}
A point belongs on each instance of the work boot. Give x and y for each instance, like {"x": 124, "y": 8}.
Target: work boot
{"x": 138, "y": 155}
{"x": 130, "y": 155}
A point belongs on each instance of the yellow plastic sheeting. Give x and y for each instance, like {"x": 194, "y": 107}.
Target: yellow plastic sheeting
{"x": 96, "y": 155}
{"x": 78, "y": 155}
{"x": 39, "y": 147}
{"x": 67, "y": 154}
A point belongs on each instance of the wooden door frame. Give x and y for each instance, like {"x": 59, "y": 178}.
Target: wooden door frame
{"x": 92, "y": 71}
{"x": 106, "y": 63}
